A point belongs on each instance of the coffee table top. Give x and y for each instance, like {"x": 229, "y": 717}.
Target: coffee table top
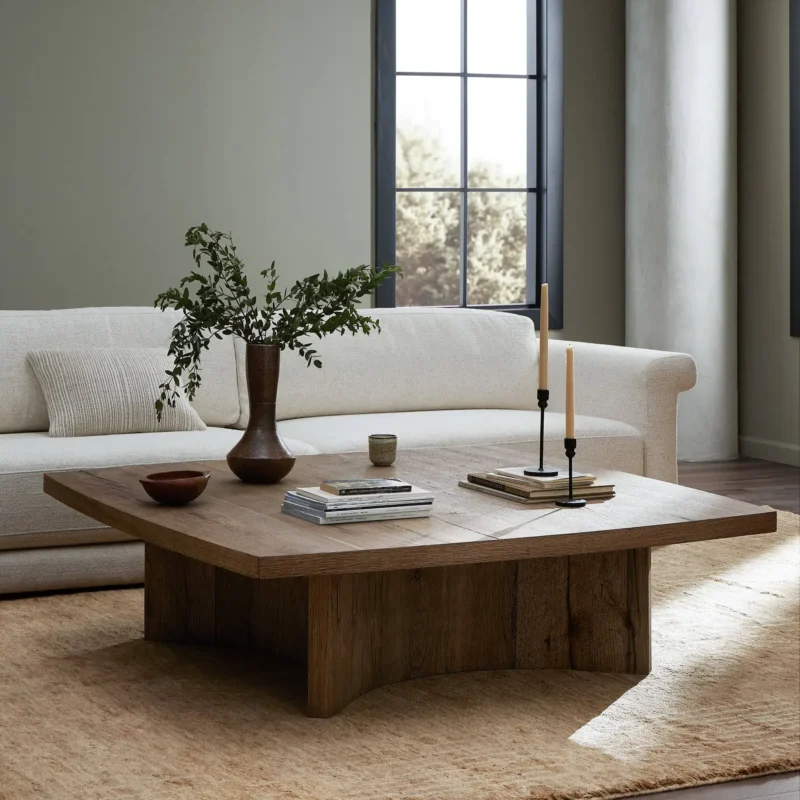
{"x": 240, "y": 526}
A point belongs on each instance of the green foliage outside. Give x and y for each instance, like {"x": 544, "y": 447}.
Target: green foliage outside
{"x": 428, "y": 232}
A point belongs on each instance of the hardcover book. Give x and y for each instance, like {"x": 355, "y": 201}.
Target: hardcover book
{"x": 512, "y": 486}
{"x": 546, "y": 495}
{"x": 518, "y": 474}
{"x": 323, "y": 508}
{"x": 378, "y": 515}
{"x": 316, "y": 498}
{"x": 350, "y": 486}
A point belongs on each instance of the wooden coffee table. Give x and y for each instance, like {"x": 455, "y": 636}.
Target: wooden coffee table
{"x": 483, "y": 584}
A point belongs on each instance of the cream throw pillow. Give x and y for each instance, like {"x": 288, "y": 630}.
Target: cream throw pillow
{"x": 97, "y": 391}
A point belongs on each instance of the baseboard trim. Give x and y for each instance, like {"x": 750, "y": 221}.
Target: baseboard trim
{"x": 782, "y": 452}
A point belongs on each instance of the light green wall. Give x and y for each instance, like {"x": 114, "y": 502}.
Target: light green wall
{"x": 126, "y": 122}
{"x": 769, "y": 359}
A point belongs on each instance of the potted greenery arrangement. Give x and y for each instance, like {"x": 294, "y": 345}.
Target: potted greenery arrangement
{"x": 218, "y": 302}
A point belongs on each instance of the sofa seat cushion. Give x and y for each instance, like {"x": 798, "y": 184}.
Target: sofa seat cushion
{"x": 601, "y": 442}
{"x": 25, "y": 509}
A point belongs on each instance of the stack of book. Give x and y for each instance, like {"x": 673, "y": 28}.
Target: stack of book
{"x": 513, "y": 484}
{"x": 335, "y": 502}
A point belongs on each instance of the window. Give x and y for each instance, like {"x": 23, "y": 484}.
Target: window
{"x": 468, "y": 153}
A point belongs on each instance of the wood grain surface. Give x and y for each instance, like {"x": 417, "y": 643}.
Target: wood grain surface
{"x": 355, "y": 632}
{"x": 240, "y": 527}
{"x": 188, "y": 602}
{"x": 483, "y": 584}
{"x": 368, "y": 630}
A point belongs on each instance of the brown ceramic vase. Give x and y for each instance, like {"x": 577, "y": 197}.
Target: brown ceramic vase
{"x": 260, "y": 455}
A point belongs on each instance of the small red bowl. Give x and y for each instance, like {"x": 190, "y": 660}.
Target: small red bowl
{"x": 176, "y": 488}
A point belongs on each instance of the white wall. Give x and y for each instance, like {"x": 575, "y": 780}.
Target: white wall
{"x": 123, "y": 123}
{"x": 769, "y": 359}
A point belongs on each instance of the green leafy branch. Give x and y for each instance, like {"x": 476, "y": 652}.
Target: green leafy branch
{"x": 216, "y": 301}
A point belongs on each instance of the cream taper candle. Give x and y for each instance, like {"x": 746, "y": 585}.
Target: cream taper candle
{"x": 544, "y": 332}
{"x": 570, "y": 434}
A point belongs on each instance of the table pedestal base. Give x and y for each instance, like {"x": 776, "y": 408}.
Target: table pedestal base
{"x": 356, "y": 632}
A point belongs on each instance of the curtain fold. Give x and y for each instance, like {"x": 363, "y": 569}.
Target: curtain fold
{"x": 681, "y": 223}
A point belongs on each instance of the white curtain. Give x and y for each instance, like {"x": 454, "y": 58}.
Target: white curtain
{"x": 681, "y": 205}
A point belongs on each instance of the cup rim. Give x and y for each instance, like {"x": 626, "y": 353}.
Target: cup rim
{"x": 383, "y": 436}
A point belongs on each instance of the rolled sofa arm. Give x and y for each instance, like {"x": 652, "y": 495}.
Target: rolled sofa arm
{"x": 638, "y": 387}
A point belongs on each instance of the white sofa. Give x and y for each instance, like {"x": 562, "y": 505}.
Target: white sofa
{"x": 434, "y": 377}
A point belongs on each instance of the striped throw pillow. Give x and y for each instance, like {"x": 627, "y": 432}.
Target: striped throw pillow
{"x": 97, "y": 391}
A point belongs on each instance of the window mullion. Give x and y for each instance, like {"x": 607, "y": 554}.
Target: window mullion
{"x": 537, "y": 272}
{"x": 534, "y": 231}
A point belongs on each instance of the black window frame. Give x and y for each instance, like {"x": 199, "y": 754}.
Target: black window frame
{"x": 794, "y": 167}
{"x": 545, "y": 256}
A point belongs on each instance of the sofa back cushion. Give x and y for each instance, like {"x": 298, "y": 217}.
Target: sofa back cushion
{"x": 423, "y": 359}
{"x": 22, "y": 404}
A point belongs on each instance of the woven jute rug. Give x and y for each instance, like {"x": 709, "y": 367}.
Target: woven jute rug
{"x": 90, "y": 710}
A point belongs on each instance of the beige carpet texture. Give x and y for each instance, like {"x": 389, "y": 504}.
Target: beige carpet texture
{"x": 90, "y": 710}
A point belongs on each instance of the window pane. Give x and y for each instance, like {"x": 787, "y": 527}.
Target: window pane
{"x": 497, "y": 130}
{"x": 497, "y": 36}
{"x": 428, "y": 35}
{"x": 428, "y": 228}
{"x": 497, "y": 238}
{"x": 428, "y": 132}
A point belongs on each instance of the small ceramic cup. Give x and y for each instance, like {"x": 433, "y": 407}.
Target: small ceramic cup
{"x": 382, "y": 449}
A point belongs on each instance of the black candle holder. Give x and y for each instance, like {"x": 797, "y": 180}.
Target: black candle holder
{"x": 543, "y": 395}
{"x": 571, "y": 501}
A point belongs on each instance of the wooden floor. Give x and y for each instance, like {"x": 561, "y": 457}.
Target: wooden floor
{"x": 761, "y": 483}
{"x": 771, "y": 787}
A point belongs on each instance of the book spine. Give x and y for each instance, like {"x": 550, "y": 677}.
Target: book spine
{"x": 391, "y": 511}
{"x": 377, "y": 513}
{"x": 336, "y": 520}
{"x": 536, "y": 499}
{"x": 494, "y": 492}
{"x": 402, "y": 497}
{"x": 332, "y": 506}
{"x": 497, "y": 486}
{"x": 375, "y": 490}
